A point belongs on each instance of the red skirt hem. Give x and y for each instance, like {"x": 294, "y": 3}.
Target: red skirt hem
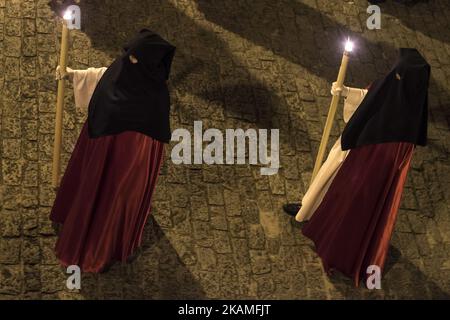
{"x": 104, "y": 199}
{"x": 352, "y": 227}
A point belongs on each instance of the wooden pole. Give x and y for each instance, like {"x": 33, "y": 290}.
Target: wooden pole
{"x": 330, "y": 117}
{"x": 59, "y": 107}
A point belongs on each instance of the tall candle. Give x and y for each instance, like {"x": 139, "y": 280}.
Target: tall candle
{"x": 332, "y": 109}
{"x": 60, "y": 103}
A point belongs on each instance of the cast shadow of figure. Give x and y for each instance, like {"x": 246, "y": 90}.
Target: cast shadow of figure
{"x": 204, "y": 66}
{"x": 398, "y": 272}
{"x": 295, "y": 31}
{"x": 259, "y": 21}
{"x": 256, "y": 21}
{"x": 157, "y": 272}
{"x": 425, "y": 11}
{"x": 197, "y": 72}
{"x": 195, "y": 69}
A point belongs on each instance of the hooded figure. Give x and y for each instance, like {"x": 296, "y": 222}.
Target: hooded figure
{"x": 105, "y": 194}
{"x": 396, "y": 107}
{"x": 353, "y": 223}
{"x": 134, "y": 96}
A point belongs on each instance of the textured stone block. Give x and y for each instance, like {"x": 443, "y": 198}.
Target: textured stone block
{"x": 29, "y": 46}
{"x": 11, "y": 127}
{"x": 222, "y": 242}
{"x": 13, "y": 8}
{"x": 46, "y": 195}
{"x": 47, "y": 245}
{"x": 12, "y": 46}
{"x": 32, "y": 278}
{"x": 256, "y": 237}
{"x": 11, "y": 148}
{"x": 11, "y": 279}
{"x": 28, "y": 8}
{"x": 218, "y": 218}
{"x": 30, "y": 177}
{"x": 260, "y": 262}
{"x": 29, "y": 27}
{"x": 12, "y": 67}
{"x": 46, "y": 101}
{"x": 202, "y": 233}
{"x": 28, "y": 67}
{"x": 10, "y": 251}
{"x": 45, "y": 224}
{"x": 215, "y": 194}
{"x": 46, "y": 123}
{"x": 12, "y": 171}
{"x": 30, "y": 150}
{"x": 199, "y": 208}
{"x": 13, "y": 27}
{"x": 11, "y": 90}
{"x": 29, "y": 109}
{"x": 232, "y": 202}
{"x": 237, "y": 227}
{"x": 31, "y": 251}
{"x": 207, "y": 258}
{"x": 52, "y": 279}
{"x": 30, "y": 220}
{"x": 46, "y": 42}
{"x": 30, "y": 197}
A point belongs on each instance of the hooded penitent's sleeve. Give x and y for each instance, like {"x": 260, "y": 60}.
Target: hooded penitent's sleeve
{"x": 352, "y": 101}
{"x": 84, "y": 83}
{"x": 321, "y": 183}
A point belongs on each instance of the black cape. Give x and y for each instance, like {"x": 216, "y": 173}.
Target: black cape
{"x": 395, "y": 109}
{"x": 135, "y": 96}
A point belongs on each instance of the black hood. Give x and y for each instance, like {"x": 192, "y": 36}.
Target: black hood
{"x": 396, "y": 107}
{"x": 135, "y": 96}
{"x": 152, "y": 51}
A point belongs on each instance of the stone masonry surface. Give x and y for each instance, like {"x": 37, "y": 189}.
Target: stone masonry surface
{"x": 219, "y": 231}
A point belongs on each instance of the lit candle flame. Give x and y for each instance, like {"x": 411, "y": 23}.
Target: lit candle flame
{"x": 349, "y": 45}
{"x": 68, "y": 15}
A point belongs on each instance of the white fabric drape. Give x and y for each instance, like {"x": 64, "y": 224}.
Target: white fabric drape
{"x": 318, "y": 188}
{"x": 84, "y": 83}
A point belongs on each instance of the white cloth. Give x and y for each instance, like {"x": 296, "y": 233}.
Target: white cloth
{"x": 84, "y": 83}
{"x": 319, "y": 187}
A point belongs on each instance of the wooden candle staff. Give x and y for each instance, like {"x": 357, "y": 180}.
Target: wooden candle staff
{"x": 332, "y": 110}
{"x": 70, "y": 21}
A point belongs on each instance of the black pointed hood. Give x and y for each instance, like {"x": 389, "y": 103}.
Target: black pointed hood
{"x": 135, "y": 97}
{"x": 396, "y": 107}
{"x": 152, "y": 50}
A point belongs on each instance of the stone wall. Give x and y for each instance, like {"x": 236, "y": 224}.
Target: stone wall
{"x": 219, "y": 231}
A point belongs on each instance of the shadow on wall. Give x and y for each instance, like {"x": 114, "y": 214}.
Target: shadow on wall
{"x": 434, "y": 13}
{"x": 204, "y": 67}
{"x": 196, "y": 68}
{"x": 286, "y": 26}
{"x": 399, "y": 273}
{"x": 291, "y": 29}
{"x": 299, "y": 33}
{"x": 156, "y": 273}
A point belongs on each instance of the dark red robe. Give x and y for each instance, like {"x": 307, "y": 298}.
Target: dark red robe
{"x": 353, "y": 225}
{"x": 104, "y": 198}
